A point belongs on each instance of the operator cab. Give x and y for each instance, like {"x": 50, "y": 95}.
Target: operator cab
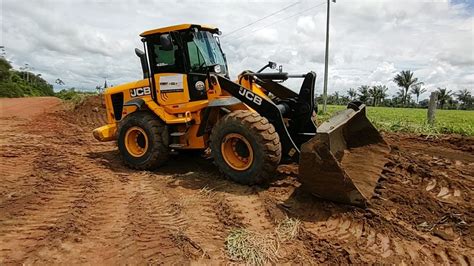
{"x": 184, "y": 51}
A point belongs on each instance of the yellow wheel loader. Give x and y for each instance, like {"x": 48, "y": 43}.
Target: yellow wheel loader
{"x": 187, "y": 101}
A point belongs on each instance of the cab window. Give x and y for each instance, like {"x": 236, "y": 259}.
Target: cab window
{"x": 195, "y": 58}
{"x": 164, "y": 61}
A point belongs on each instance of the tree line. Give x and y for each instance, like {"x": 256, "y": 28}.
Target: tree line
{"x": 407, "y": 96}
{"x": 20, "y": 83}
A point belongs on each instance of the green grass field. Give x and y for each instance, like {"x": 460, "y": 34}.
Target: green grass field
{"x": 414, "y": 120}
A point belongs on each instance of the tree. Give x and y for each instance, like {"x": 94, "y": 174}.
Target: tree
{"x": 382, "y": 93}
{"x": 406, "y": 80}
{"x": 378, "y": 93}
{"x": 373, "y": 91}
{"x": 444, "y": 95}
{"x": 417, "y": 91}
{"x": 352, "y": 93}
{"x": 5, "y": 70}
{"x": 59, "y": 81}
{"x": 465, "y": 97}
{"x": 364, "y": 94}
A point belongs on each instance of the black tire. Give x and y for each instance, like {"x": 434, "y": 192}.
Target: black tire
{"x": 260, "y": 135}
{"x": 157, "y": 151}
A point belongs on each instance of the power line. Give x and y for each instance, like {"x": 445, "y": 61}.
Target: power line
{"x": 279, "y": 21}
{"x": 258, "y": 20}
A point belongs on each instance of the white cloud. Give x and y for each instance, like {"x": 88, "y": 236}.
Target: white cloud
{"x": 83, "y": 41}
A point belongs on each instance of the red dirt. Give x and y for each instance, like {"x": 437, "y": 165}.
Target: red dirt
{"x": 27, "y": 107}
{"x": 66, "y": 198}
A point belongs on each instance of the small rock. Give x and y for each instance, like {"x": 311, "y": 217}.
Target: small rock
{"x": 431, "y": 185}
{"x": 443, "y": 234}
{"x": 95, "y": 109}
{"x": 443, "y": 192}
{"x": 457, "y": 193}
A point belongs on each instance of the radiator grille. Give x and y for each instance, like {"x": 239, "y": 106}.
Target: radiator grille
{"x": 117, "y": 104}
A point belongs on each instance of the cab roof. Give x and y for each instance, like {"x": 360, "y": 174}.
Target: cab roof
{"x": 177, "y": 28}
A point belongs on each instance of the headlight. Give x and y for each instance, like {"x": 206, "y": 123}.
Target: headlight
{"x": 199, "y": 85}
{"x": 217, "y": 68}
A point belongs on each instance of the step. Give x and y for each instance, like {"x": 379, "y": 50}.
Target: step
{"x": 177, "y": 134}
{"x": 176, "y": 145}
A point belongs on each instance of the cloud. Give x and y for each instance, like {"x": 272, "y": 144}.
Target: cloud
{"x": 84, "y": 41}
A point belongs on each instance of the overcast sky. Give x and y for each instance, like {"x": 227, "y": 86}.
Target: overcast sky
{"x": 83, "y": 41}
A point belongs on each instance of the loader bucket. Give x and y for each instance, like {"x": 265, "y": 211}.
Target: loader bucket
{"x": 343, "y": 162}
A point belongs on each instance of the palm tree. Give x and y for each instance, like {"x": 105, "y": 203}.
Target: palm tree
{"x": 373, "y": 91}
{"x": 59, "y": 81}
{"x": 382, "y": 92}
{"x": 465, "y": 97}
{"x": 417, "y": 91}
{"x": 378, "y": 93}
{"x": 364, "y": 94}
{"x": 352, "y": 93}
{"x": 406, "y": 80}
{"x": 444, "y": 95}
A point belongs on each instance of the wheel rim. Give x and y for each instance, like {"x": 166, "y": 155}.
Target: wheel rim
{"x": 136, "y": 141}
{"x": 237, "y": 151}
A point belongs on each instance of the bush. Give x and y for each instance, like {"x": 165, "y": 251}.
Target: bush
{"x": 10, "y": 90}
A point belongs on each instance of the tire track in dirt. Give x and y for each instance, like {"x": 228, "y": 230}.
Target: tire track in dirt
{"x": 379, "y": 244}
{"x": 247, "y": 203}
{"x": 154, "y": 224}
{"x": 208, "y": 212}
{"x": 30, "y": 217}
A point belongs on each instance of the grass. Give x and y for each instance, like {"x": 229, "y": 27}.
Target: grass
{"x": 414, "y": 120}
{"x": 251, "y": 247}
{"x": 257, "y": 249}
{"x": 74, "y": 97}
{"x": 288, "y": 229}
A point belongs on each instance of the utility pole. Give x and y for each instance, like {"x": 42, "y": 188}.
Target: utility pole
{"x": 326, "y": 59}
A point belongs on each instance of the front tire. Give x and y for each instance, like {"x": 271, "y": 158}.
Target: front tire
{"x": 245, "y": 147}
{"x": 143, "y": 141}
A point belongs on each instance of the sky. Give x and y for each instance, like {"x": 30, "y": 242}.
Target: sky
{"x": 84, "y": 41}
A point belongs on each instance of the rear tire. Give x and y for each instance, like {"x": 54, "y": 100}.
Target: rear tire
{"x": 143, "y": 141}
{"x": 245, "y": 147}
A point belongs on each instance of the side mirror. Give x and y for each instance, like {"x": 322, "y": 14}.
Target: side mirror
{"x": 166, "y": 43}
{"x": 144, "y": 63}
{"x": 272, "y": 65}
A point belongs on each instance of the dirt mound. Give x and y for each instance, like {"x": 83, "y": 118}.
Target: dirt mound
{"x": 75, "y": 202}
{"x": 89, "y": 113}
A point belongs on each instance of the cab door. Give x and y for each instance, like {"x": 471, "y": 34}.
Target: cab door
{"x": 168, "y": 71}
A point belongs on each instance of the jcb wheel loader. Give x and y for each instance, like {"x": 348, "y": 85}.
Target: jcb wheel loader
{"x": 187, "y": 101}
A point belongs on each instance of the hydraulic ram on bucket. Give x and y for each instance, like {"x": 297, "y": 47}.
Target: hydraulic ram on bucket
{"x": 344, "y": 160}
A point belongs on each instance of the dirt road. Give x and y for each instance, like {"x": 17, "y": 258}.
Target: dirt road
{"x": 66, "y": 198}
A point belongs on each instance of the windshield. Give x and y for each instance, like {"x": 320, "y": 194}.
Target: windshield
{"x": 204, "y": 51}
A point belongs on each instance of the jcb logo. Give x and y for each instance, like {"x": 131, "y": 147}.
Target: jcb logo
{"x": 251, "y": 96}
{"x": 137, "y": 92}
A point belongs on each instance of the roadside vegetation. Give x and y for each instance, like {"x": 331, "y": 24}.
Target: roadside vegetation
{"x": 22, "y": 83}
{"x": 18, "y": 83}
{"x": 73, "y": 96}
{"x": 414, "y": 120}
{"x": 407, "y": 97}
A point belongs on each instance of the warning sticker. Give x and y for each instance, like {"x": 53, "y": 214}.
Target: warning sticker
{"x": 169, "y": 84}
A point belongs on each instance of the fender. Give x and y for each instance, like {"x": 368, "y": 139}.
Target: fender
{"x": 137, "y": 102}
{"x": 217, "y": 103}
